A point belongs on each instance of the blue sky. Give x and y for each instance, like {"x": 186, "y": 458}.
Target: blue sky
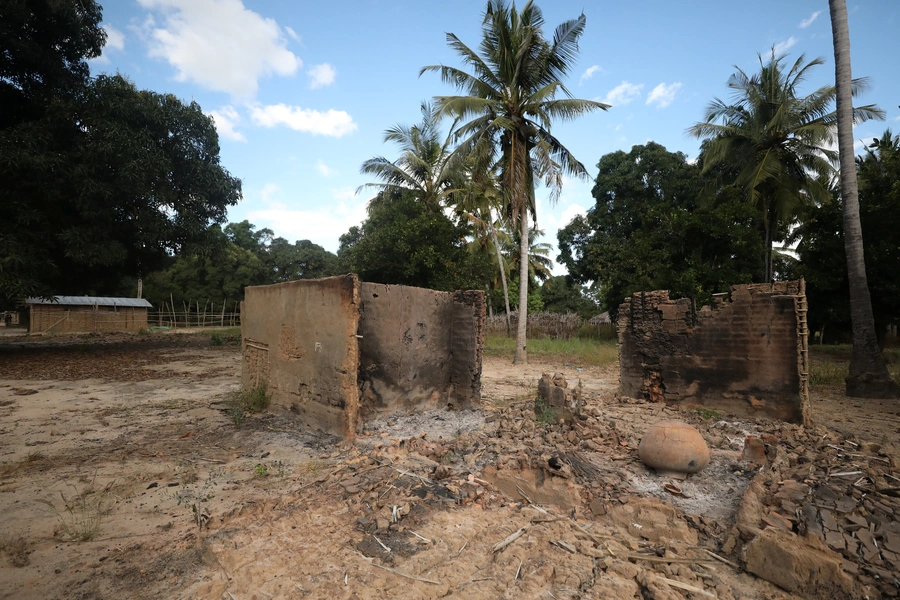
{"x": 302, "y": 92}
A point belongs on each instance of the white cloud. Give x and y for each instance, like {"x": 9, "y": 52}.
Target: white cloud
{"x": 782, "y": 47}
{"x": 292, "y": 33}
{"x": 623, "y": 93}
{"x": 809, "y": 21}
{"x": 323, "y": 225}
{"x": 334, "y": 123}
{"x": 589, "y": 72}
{"x": 269, "y": 191}
{"x": 324, "y": 169}
{"x": 219, "y": 44}
{"x": 115, "y": 39}
{"x": 663, "y": 95}
{"x": 321, "y": 75}
{"x": 226, "y": 119}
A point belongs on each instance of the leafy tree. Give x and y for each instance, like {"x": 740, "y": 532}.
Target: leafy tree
{"x": 560, "y": 294}
{"x": 300, "y": 260}
{"x": 246, "y": 236}
{"x": 652, "y": 229}
{"x": 776, "y": 138}
{"x": 823, "y": 259}
{"x": 867, "y": 376}
{"x": 511, "y": 103}
{"x": 402, "y": 242}
{"x": 108, "y": 183}
{"x": 539, "y": 261}
{"x": 44, "y": 45}
{"x": 426, "y": 166}
{"x": 216, "y": 272}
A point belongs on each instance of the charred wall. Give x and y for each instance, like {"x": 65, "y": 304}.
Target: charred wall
{"x": 745, "y": 354}
{"x": 338, "y": 351}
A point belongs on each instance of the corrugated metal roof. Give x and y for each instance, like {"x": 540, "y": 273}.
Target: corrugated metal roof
{"x": 91, "y": 301}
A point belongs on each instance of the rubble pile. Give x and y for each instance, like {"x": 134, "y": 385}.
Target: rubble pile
{"x": 843, "y": 492}
{"x": 572, "y": 480}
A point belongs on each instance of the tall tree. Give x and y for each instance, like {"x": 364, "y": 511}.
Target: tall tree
{"x": 108, "y": 182}
{"x": 402, "y": 242}
{"x": 426, "y": 165}
{"x": 651, "y": 228}
{"x": 44, "y": 47}
{"x": 868, "y": 376}
{"x": 776, "y": 138}
{"x": 511, "y": 101}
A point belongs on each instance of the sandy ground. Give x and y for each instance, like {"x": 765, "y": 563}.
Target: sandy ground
{"x": 122, "y": 474}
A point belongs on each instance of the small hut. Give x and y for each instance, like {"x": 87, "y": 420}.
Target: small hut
{"x": 83, "y": 314}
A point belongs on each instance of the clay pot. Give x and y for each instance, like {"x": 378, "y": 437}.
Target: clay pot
{"x": 673, "y": 447}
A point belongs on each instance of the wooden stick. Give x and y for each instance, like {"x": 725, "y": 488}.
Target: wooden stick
{"x": 400, "y": 573}
{"x": 719, "y": 558}
{"x": 685, "y": 587}
{"x": 509, "y": 540}
{"x": 519, "y": 570}
{"x": 663, "y": 559}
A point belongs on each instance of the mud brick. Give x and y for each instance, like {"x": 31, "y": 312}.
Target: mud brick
{"x": 778, "y": 521}
{"x": 828, "y": 520}
{"x": 811, "y": 517}
{"x": 835, "y": 540}
{"x": 845, "y": 505}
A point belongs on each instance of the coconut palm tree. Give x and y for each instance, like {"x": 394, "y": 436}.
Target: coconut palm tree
{"x": 776, "y": 139}
{"x": 426, "y": 164}
{"x": 481, "y": 202}
{"x": 868, "y": 376}
{"x": 509, "y": 105}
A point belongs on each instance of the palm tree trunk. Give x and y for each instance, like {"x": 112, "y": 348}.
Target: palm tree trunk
{"x": 502, "y": 276}
{"x": 521, "y": 356}
{"x": 868, "y": 376}
{"x": 768, "y": 258}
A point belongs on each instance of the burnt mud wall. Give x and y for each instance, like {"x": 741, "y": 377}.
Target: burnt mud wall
{"x": 299, "y": 339}
{"x": 745, "y": 354}
{"x": 335, "y": 352}
{"x": 418, "y": 348}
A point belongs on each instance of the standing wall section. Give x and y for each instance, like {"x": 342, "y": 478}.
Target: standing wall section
{"x": 419, "y": 348}
{"x": 746, "y": 354}
{"x": 299, "y": 340}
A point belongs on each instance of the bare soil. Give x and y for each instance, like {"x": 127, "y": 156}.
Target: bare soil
{"x": 122, "y": 474}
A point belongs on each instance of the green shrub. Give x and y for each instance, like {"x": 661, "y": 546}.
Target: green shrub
{"x": 241, "y": 402}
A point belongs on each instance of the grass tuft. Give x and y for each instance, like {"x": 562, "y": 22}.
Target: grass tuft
{"x": 241, "y": 402}
{"x": 81, "y": 514}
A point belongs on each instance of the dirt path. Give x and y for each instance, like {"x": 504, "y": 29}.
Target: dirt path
{"x": 128, "y": 446}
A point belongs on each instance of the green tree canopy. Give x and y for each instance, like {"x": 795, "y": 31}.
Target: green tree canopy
{"x": 402, "y": 242}
{"x": 108, "y": 183}
{"x": 651, "y": 229}
{"x": 44, "y": 47}
{"x": 776, "y": 139}
{"x": 560, "y": 294}
{"x": 821, "y": 245}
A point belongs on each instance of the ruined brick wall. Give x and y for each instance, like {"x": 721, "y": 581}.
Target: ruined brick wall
{"x": 467, "y": 346}
{"x": 745, "y": 354}
{"x": 337, "y": 351}
{"x": 58, "y": 318}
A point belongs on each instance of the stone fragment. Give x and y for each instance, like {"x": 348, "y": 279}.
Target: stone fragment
{"x": 554, "y": 394}
{"x": 673, "y": 446}
{"x": 799, "y": 565}
{"x": 754, "y": 451}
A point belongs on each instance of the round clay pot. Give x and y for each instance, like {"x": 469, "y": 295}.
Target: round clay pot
{"x": 673, "y": 447}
